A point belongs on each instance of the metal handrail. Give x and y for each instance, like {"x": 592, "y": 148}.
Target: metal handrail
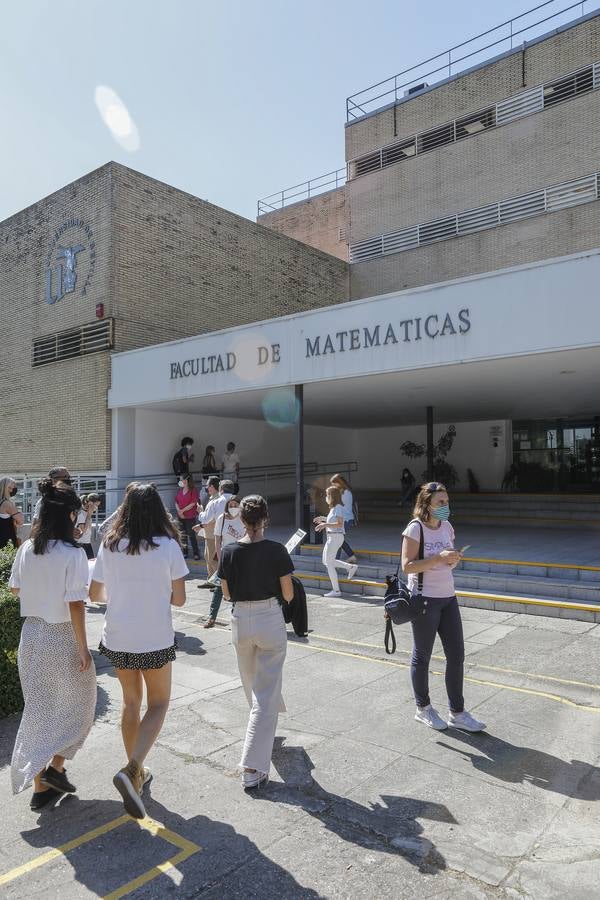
{"x": 303, "y": 191}
{"x": 365, "y": 102}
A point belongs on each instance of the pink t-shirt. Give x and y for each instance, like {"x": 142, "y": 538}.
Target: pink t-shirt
{"x": 184, "y": 499}
{"x": 439, "y": 581}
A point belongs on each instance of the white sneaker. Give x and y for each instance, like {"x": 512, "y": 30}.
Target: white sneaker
{"x": 352, "y": 571}
{"x": 254, "y": 779}
{"x": 465, "y": 722}
{"x": 431, "y": 717}
{"x": 352, "y": 559}
{"x": 333, "y": 594}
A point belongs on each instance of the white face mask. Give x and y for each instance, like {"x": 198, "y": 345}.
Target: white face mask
{"x": 234, "y": 510}
{"x": 181, "y": 483}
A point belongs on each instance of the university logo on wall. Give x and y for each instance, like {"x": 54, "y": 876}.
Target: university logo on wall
{"x": 71, "y": 260}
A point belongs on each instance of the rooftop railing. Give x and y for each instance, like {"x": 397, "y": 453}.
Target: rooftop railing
{"x": 476, "y": 50}
{"x": 304, "y": 191}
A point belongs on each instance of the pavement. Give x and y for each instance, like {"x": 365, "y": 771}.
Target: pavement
{"x": 363, "y": 802}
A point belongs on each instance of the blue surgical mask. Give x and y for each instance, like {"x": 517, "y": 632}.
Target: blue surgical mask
{"x": 441, "y": 512}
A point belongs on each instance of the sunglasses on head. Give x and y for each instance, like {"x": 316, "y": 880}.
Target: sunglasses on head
{"x": 434, "y": 486}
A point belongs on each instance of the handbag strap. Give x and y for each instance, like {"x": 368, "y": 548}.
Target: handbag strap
{"x": 420, "y": 556}
{"x": 389, "y": 636}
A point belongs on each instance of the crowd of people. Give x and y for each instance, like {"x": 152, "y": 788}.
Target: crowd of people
{"x": 139, "y": 574}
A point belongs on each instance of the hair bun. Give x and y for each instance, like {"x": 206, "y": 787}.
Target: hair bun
{"x": 45, "y": 487}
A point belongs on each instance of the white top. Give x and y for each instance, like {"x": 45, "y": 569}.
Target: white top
{"x": 333, "y": 514}
{"x": 138, "y": 594}
{"x": 230, "y": 462}
{"x": 347, "y": 505}
{"x": 229, "y": 530}
{"x": 48, "y": 582}
{"x": 86, "y": 536}
{"x": 439, "y": 581}
{"x": 214, "y": 508}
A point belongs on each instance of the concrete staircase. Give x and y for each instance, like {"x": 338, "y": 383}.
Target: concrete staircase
{"x": 529, "y": 510}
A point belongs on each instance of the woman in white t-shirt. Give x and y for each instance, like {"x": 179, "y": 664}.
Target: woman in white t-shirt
{"x": 229, "y": 528}
{"x": 440, "y": 613}
{"x": 340, "y": 482}
{"x": 140, "y": 571}
{"x": 83, "y": 526}
{"x": 333, "y": 525}
{"x": 58, "y": 678}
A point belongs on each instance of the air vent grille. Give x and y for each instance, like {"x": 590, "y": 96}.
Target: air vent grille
{"x": 73, "y": 342}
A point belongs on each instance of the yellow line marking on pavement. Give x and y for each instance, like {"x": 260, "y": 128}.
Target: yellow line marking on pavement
{"x": 472, "y": 665}
{"x": 187, "y": 848}
{"x": 505, "y": 687}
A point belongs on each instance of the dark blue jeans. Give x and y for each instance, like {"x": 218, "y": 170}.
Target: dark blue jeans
{"x": 216, "y": 603}
{"x": 346, "y": 548}
{"x": 442, "y": 616}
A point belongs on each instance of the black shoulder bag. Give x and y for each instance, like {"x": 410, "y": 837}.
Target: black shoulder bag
{"x": 400, "y": 605}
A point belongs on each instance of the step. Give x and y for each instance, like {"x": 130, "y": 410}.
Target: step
{"x": 557, "y": 571}
{"x": 493, "y": 582}
{"x": 374, "y": 591}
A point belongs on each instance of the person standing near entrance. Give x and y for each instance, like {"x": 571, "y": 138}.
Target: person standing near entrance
{"x": 57, "y": 475}
{"x": 255, "y": 573}
{"x": 333, "y": 525}
{"x": 440, "y": 613}
{"x": 183, "y": 457}
{"x": 340, "y": 482}
{"x": 11, "y": 517}
{"x": 230, "y": 466}
{"x": 58, "y": 678}
{"x": 140, "y": 573}
{"x": 83, "y": 527}
{"x": 407, "y": 487}
{"x": 221, "y": 492}
{"x": 229, "y": 528}
{"x": 186, "y": 502}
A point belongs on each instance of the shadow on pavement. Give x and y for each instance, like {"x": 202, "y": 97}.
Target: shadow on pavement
{"x": 390, "y": 826}
{"x": 193, "y": 646}
{"x": 230, "y": 864}
{"x": 519, "y": 765}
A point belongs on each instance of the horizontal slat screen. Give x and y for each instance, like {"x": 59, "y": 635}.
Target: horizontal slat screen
{"x": 73, "y": 342}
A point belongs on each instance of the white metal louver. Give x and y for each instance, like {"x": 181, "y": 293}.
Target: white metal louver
{"x": 560, "y": 196}
{"x": 74, "y": 342}
{"x": 406, "y": 239}
{"x": 522, "y": 207}
{"x": 437, "y": 230}
{"x": 366, "y": 249}
{"x": 478, "y": 219}
{"x": 524, "y": 104}
{"x": 596, "y": 75}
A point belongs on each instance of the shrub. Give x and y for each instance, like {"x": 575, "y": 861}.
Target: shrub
{"x": 11, "y": 698}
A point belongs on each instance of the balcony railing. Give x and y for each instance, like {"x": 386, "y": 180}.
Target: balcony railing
{"x": 476, "y": 50}
{"x": 304, "y": 191}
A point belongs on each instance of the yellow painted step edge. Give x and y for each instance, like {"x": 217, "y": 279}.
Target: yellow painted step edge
{"x": 498, "y": 598}
{"x": 479, "y": 559}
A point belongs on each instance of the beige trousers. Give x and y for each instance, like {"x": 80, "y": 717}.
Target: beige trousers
{"x": 209, "y": 555}
{"x": 260, "y": 640}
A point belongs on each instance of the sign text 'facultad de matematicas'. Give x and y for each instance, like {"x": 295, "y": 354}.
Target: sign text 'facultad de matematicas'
{"x": 367, "y": 337}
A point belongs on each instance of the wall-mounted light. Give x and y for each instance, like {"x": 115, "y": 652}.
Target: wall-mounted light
{"x": 99, "y": 310}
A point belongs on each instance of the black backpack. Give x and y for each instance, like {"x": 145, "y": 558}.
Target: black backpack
{"x": 178, "y": 466}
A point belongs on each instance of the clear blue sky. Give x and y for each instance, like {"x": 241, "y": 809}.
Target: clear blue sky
{"x": 233, "y": 100}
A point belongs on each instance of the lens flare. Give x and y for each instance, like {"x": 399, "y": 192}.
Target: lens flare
{"x": 281, "y": 408}
{"x": 117, "y": 119}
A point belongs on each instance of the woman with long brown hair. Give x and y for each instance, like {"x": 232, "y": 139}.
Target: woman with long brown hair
{"x": 255, "y": 573}
{"x": 140, "y": 572}
{"x": 333, "y": 526}
{"x": 440, "y": 613}
{"x": 58, "y": 678}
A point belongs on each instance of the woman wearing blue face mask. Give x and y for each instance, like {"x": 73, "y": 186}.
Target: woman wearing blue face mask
{"x": 440, "y": 611}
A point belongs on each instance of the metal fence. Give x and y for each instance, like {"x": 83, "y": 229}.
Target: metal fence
{"x": 502, "y": 38}
{"x": 304, "y": 191}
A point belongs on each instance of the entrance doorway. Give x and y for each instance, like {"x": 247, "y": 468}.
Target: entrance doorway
{"x": 557, "y": 455}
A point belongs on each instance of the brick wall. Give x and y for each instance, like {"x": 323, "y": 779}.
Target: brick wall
{"x": 542, "y": 61}
{"x": 316, "y": 222}
{"x": 184, "y": 266}
{"x": 57, "y": 412}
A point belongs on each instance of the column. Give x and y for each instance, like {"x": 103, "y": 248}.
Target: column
{"x": 299, "y": 455}
{"x": 430, "y": 443}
